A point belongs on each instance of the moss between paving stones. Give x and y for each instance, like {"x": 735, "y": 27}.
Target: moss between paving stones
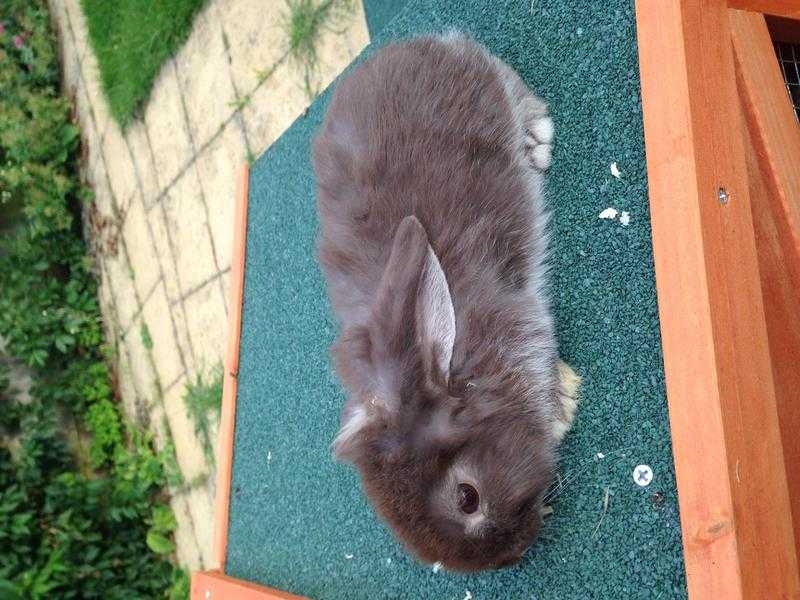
{"x": 296, "y": 517}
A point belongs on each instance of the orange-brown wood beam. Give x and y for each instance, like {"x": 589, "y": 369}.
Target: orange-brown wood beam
{"x": 229, "y": 382}
{"x": 213, "y": 585}
{"x": 781, "y": 8}
{"x": 773, "y": 160}
{"x": 732, "y": 489}
{"x": 772, "y": 123}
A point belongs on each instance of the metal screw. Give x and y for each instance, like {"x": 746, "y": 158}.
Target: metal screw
{"x": 208, "y": 594}
{"x": 723, "y": 195}
{"x": 643, "y": 475}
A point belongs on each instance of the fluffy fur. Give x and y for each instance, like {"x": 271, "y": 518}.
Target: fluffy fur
{"x": 433, "y": 242}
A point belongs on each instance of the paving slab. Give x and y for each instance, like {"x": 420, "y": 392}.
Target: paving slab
{"x": 165, "y": 351}
{"x": 187, "y": 548}
{"x": 205, "y": 313}
{"x": 218, "y": 167}
{"x": 166, "y": 126}
{"x": 187, "y": 223}
{"x": 255, "y": 37}
{"x": 144, "y": 167}
{"x": 265, "y": 118}
{"x": 161, "y": 237}
{"x": 122, "y": 286}
{"x": 203, "y": 70}
{"x": 119, "y": 164}
{"x": 143, "y": 258}
{"x": 200, "y": 506}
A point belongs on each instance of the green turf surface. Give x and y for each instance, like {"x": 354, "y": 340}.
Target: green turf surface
{"x": 379, "y": 13}
{"x": 131, "y": 39}
{"x": 296, "y": 516}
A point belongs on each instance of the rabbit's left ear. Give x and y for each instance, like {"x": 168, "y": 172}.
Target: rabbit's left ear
{"x": 435, "y": 320}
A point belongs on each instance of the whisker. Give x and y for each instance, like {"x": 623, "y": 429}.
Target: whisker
{"x": 561, "y": 484}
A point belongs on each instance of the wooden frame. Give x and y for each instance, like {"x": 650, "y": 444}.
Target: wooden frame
{"x": 725, "y": 207}
{"x": 773, "y": 151}
{"x": 726, "y": 407}
{"x": 214, "y": 583}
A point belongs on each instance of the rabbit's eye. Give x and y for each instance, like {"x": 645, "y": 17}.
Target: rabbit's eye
{"x": 468, "y": 498}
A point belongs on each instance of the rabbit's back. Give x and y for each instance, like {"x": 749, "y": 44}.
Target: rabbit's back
{"x": 427, "y": 128}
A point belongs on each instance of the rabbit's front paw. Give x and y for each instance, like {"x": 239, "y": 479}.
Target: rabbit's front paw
{"x": 569, "y": 383}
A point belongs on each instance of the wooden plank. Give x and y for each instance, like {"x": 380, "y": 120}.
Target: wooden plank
{"x": 732, "y": 489}
{"x": 774, "y": 129}
{"x": 229, "y": 386}
{"x": 781, "y": 8}
{"x": 773, "y": 156}
{"x": 213, "y": 585}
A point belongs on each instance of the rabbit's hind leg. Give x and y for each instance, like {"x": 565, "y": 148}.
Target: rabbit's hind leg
{"x": 538, "y": 132}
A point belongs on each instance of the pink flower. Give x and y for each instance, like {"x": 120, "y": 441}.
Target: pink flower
{"x": 17, "y": 41}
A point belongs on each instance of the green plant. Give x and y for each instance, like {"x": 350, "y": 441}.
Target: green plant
{"x": 303, "y": 24}
{"x": 67, "y": 530}
{"x": 147, "y": 341}
{"x": 162, "y": 524}
{"x": 172, "y": 472}
{"x": 203, "y": 399}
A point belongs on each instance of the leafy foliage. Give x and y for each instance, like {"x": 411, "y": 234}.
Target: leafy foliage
{"x": 67, "y": 530}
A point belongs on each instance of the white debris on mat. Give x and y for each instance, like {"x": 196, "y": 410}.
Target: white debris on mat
{"x": 437, "y": 566}
{"x": 468, "y": 595}
{"x": 609, "y": 213}
{"x": 600, "y": 455}
{"x": 269, "y": 455}
{"x": 612, "y": 213}
{"x": 615, "y": 170}
{"x": 348, "y": 556}
{"x": 388, "y": 561}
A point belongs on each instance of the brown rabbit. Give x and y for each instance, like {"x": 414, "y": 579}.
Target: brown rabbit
{"x": 433, "y": 241}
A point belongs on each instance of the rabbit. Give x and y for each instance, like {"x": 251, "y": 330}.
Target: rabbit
{"x": 433, "y": 242}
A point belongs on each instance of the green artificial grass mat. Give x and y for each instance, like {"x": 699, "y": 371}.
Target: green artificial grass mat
{"x": 298, "y": 520}
{"x": 131, "y": 39}
{"x": 379, "y": 13}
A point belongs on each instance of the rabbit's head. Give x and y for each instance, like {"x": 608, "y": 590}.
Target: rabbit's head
{"x": 457, "y": 467}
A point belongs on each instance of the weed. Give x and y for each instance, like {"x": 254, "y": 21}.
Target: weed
{"x": 147, "y": 341}
{"x": 169, "y": 461}
{"x": 203, "y": 399}
{"x": 303, "y": 24}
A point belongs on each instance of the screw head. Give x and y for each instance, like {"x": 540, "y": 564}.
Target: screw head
{"x": 643, "y": 475}
{"x": 208, "y": 594}
{"x": 722, "y": 194}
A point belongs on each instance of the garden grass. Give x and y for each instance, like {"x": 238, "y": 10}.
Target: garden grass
{"x": 132, "y": 39}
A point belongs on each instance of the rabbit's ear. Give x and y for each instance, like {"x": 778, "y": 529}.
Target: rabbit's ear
{"x": 435, "y": 320}
{"x": 395, "y": 301}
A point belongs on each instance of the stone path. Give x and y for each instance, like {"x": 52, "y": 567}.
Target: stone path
{"x": 161, "y": 223}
